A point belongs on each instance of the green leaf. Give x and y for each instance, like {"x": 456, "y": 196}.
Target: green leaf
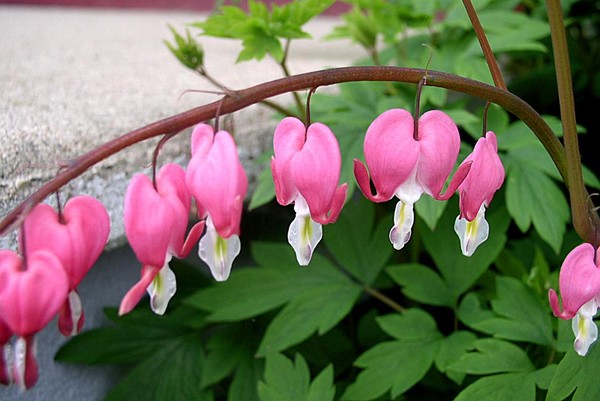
{"x": 422, "y": 284}
{"x": 172, "y": 373}
{"x": 523, "y": 316}
{"x": 450, "y": 351}
{"x": 315, "y": 310}
{"x": 532, "y": 197}
{"x": 393, "y": 366}
{"x": 264, "y": 192}
{"x": 504, "y": 387}
{"x": 247, "y": 293}
{"x": 459, "y": 272}
{"x": 430, "y": 210}
{"x": 493, "y": 356}
{"x": 290, "y": 381}
{"x": 579, "y": 374}
{"x": 359, "y": 245}
{"x": 243, "y": 386}
{"x": 412, "y": 325}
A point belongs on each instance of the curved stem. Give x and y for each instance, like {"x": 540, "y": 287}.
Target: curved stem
{"x": 383, "y": 298}
{"x": 577, "y": 193}
{"x": 240, "y": 99}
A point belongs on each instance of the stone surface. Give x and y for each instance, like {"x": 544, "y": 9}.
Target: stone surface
{"x": 71, "y": 79}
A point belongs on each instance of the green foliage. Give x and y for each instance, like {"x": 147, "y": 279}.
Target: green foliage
{"x": 186, "y": 50}
{"x": 285, "y": 380}
{"x": 261, "y": 30}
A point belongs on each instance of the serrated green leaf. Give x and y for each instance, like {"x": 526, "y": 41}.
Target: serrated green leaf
{"x": 532, "y": 197}
{"x": 458, "y": 271}
{"x": 504, "y": 387}
{"x": 579, "y": 374}
{"x": 412, "y": 325}
{"x": 172, "y": 373}
{"x": 358, "y": 245}
{"x": 493, "y": 356}
{"x": 450, "y": 351}
{"x": 422, "y": 284}
{"x": 315, "y": 310}
{"x": 519, "y": 314}
{"x": 290, "y": 381}
{"x": 526, "y": 318}
{"x": 247, "y": 374}
{"x": 393, "y": 366}
{"x": 247, "y": 293}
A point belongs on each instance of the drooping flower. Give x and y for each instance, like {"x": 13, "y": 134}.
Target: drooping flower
{"x": 306, "y": 170}
{"x": 156, "y": 220}
{"x": 76, "y": 237}
{"x": 477, "y": 191}
{"x": 217, "y": 180}
{"x": 404, "y": 166}
{"x": 31, "y": 294}
{"x": 579, "y": 283}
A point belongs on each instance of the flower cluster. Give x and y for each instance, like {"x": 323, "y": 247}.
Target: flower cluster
{"x": 156, "y": 216}
{"x": 58, "y": 249}
{"x": 407, "y": 158}
{"x": 404, "y": 158}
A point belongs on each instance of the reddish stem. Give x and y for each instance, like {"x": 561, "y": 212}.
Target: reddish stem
{"x": 240, "y": 99}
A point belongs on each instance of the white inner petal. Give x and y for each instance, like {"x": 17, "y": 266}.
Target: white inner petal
{"x": 162, "y": 288}
{"x": 472, "y": 233}
{"x": 586, "y": 331}
{"x": 304, "y": 234}
{"x": 76, "y": 310}
{"x": 218, "y": 252}
{"x": 410, "y": 191}
{"x": 404, "y": 218}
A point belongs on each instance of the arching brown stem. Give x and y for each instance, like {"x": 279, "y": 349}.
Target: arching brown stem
{"x": 237, "y": 100}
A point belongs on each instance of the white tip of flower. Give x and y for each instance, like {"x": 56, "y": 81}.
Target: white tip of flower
{"x": 76, "y": 310}
{"x": 404, "y": 218}
{"x": 303, "y": 235}
{"x": 218, "y": 252}
{"x": 586, "y": 331}
{"x": 162, "y": 289}
{"x": 472, "y": 233}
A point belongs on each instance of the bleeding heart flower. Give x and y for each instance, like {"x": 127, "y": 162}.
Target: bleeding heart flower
{"x": 477, "y": 191}
{"x": 404, "y": 166}
{"x": 579, "y": 283}
{"x": 31, "y": 293}
{"x": 217, "y": 180}
{"x": 155, "y": 224}
{"x": 306, "y": 171}
{"x": 76, "y": 237}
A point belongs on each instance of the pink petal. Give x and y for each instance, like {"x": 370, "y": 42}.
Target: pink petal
{"x": 316, "y": 170}
{"x": 135, "y": 294}
{"x": 202, "y": 139}
{"x": 289, "y": 138}
{"x": 149, "y": 221}
{"x": 486, "y": 177}
{"x": 77, "y": 240}
{"x": 30, "y": 298}
{"x": 579, "y": 281}
{"x": 439, "y": 143}
{"x": 219, "y": 184}
{"x": 391, "y": 154}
